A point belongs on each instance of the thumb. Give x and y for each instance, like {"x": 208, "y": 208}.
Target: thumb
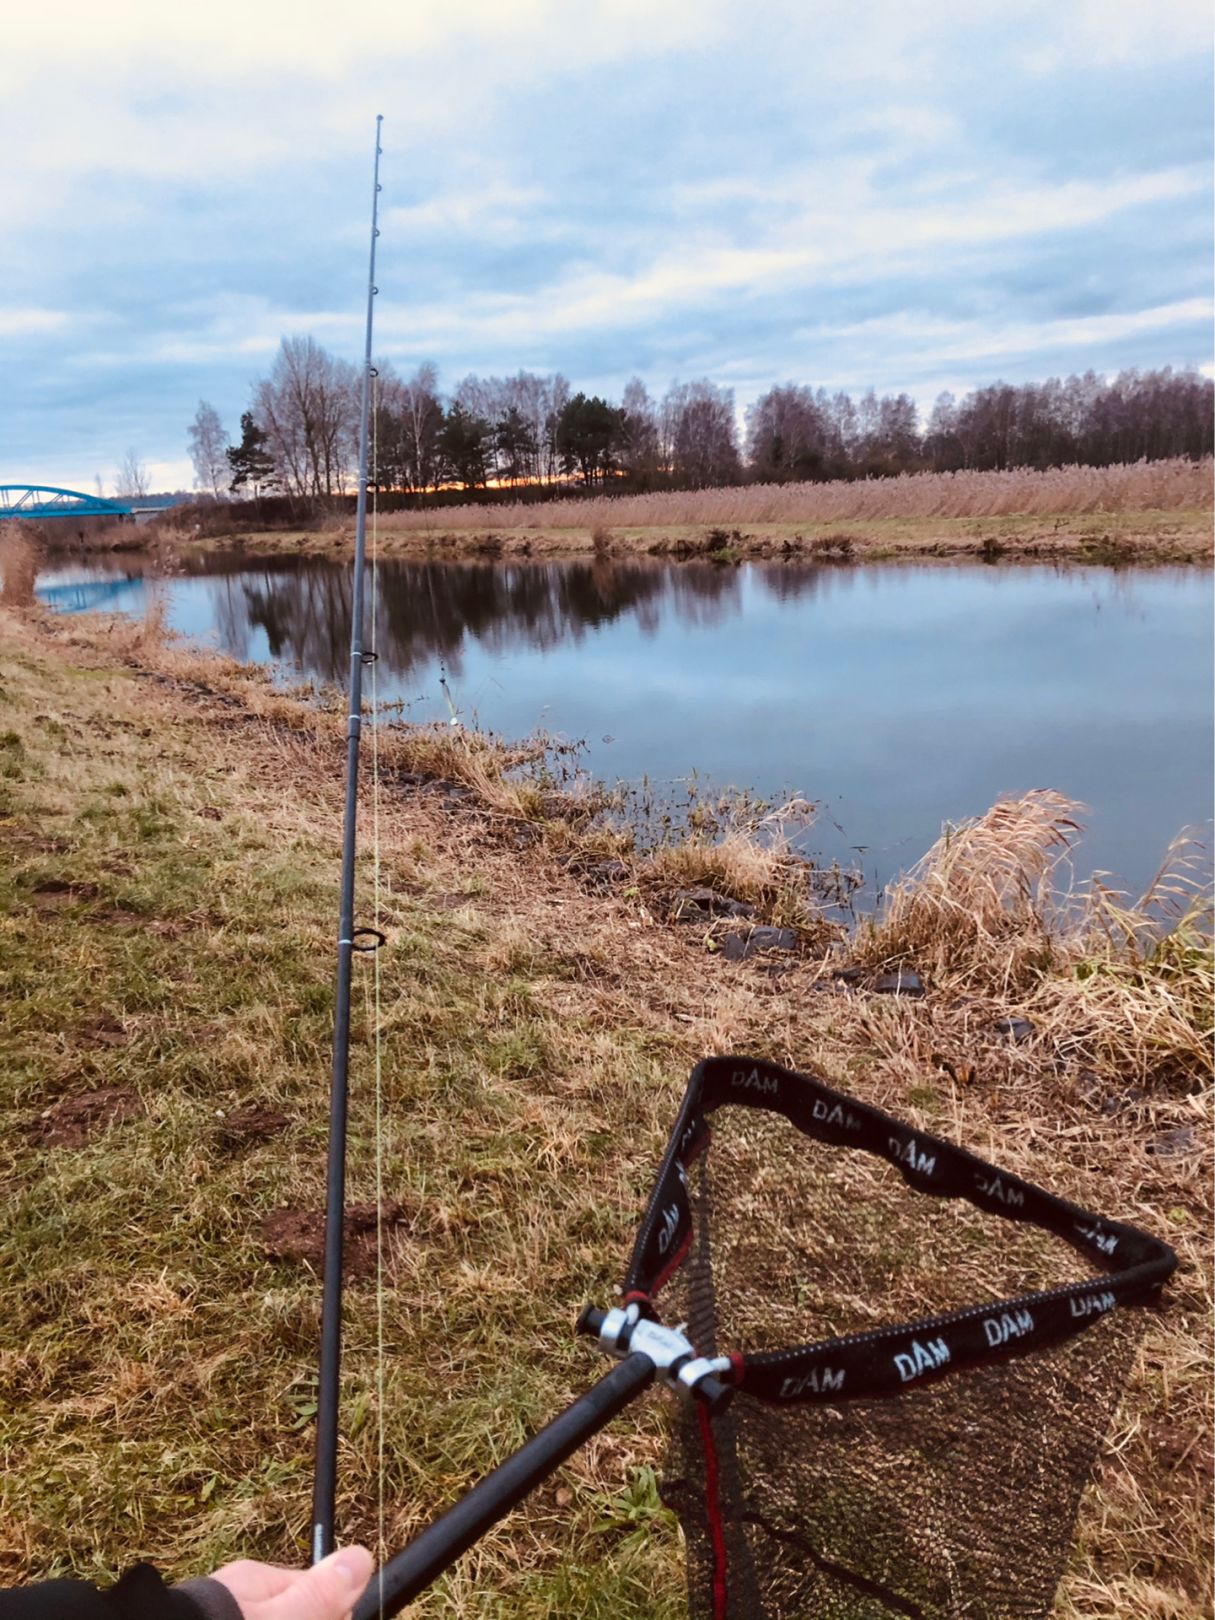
{"x": 327, "y": 1591}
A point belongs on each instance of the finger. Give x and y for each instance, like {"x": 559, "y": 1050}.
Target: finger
{"x": 252, "y": 1582}
{"x": 327, "y": 1591}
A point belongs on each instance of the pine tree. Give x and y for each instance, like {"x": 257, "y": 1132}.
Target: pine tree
{"x": 250, "y": 461}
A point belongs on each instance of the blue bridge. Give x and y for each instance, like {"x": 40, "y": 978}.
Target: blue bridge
{"x": 41, "y": 501}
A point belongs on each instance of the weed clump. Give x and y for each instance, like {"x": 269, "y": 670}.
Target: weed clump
{"x": 1117, "y": 987}
{"x": 838, "y": 547}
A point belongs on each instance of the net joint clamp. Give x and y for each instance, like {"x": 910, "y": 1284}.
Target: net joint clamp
{"x": 623, "y": 1331}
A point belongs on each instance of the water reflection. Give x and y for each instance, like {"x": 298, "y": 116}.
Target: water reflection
{"x": 428, "y": 611}
{"x": 895, "y": 697}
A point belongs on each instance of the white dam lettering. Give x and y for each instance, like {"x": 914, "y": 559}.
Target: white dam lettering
{"x": 833, "y": 1114}
{"x": 1092, "y": 1304}
{"x": 910, "y": 1153}
{"x": 752, "y": 1080}
{"x": 995, "y": 1187}
{"x": 1008, "y": 1325}
{"x": 921, "y": 1358}
{"x": 1105, "y": 1241}
{"x": 820, "y": 1380}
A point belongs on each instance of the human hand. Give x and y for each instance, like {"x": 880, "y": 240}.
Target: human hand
{"x": 327, "y": 1591}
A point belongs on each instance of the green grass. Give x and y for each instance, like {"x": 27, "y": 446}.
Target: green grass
{"x": 156, "y": 1367}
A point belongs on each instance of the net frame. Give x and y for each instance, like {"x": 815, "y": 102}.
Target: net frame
{"x": 888, "y": 1359}
{"x": 855, "y": 1479}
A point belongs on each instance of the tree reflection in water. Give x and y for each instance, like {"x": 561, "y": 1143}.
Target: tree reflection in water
{"x": 429, "y": 611}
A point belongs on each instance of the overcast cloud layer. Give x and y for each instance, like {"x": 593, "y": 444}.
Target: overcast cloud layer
{"x": 844, "y": 194}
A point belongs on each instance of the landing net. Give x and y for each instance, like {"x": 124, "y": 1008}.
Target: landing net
{"x": 925, "y": 1371}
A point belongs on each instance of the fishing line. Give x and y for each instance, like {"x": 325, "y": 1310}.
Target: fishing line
{"x": 377, "y": 1038}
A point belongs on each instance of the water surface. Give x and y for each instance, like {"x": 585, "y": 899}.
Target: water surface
{"x": 896, "y": 697}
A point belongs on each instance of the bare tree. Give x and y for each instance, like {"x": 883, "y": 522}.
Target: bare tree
{"x": 641, "y": 446}
{"x": 704, "y": 437}
{"x": 788, "y": 435}
{"x": 309, "y": 406}
{"x": 423, "y": 423}
{"x": 131, "y": 479}
{"x": 557, "y": 394}
{"x": 208, "y": 449}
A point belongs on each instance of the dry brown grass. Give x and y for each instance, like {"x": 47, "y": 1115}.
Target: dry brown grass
{"x": 747, "y": 856}
{"x": 975, "y": 907}
{"x": 1124, "y": 986}
{"x": 1156, "y": 486}
{"x": 19, "y": 563}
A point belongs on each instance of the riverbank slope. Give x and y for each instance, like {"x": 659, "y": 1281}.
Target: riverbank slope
{"x": 171, "y": 830}
{"x": 1141, "y": 537}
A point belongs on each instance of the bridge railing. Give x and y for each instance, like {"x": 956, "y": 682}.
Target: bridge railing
{"x": 46, "y": 501}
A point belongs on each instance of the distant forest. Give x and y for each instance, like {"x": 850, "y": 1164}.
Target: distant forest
{"x": 537, "y": 436}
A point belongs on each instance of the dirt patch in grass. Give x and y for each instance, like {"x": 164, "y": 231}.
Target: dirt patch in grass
{"x": 250, "y": 1124}
{"x": 104, "y": 1030}
{"x": 54, "y": 893}
{"x": 450, "y": 902}
{"x": 72, "y": 1121}
{"x": 298, "y": 1235}
{"x": 27, "y": 838}
{"x": 124, "y": 917}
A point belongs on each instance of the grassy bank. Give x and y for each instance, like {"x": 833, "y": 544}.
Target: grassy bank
{"x": 170, "y": 826}
{"x": 1118, "y": 538}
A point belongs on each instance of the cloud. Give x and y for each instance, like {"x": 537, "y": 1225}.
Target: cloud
{"x": 17, "y": 322}
{"x": 948, "y": 340}
{"x": 496, "y": 212}
{"x": 806, "y": 248}
{"x": 696, "y": 187}
{"x": 1115, "y": 31}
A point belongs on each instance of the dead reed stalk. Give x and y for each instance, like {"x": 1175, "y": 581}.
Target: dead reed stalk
{"x": 1123, "y": 989}
{"x": 1156, "y": 486}
{"x": 18, "y": 566}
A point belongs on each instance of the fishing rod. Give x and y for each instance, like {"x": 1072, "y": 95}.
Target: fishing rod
{"x": 350, "y": 939}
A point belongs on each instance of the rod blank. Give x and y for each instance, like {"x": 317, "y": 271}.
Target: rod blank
{"x": 441, "y": 1543}
{"x": 324, "y": 1486}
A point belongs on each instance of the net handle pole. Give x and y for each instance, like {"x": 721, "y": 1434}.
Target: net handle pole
{"x": 442, "y": 1542}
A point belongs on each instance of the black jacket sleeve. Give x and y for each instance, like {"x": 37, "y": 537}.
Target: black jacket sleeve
{"x": 141, "y": 1594}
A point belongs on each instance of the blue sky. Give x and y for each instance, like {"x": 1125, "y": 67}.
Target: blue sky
{"x": 844, "y": 194}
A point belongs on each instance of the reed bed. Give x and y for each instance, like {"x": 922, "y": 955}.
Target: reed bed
{"x": 1158, "y": 486}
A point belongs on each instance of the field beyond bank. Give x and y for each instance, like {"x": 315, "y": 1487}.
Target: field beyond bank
{"x": 1147, "y": 512}
{"x": 171, "y": 829}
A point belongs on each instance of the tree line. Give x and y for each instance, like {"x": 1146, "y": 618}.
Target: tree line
{"x": 300, "y": 433}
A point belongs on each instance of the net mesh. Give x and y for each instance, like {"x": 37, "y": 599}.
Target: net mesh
{"x": 950, "y": 1500}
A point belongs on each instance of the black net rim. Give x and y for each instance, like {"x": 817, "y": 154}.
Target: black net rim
{"x": 886, "y": 1360}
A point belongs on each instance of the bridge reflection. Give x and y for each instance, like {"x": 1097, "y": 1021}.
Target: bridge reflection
{"x": 89, "y": 595}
